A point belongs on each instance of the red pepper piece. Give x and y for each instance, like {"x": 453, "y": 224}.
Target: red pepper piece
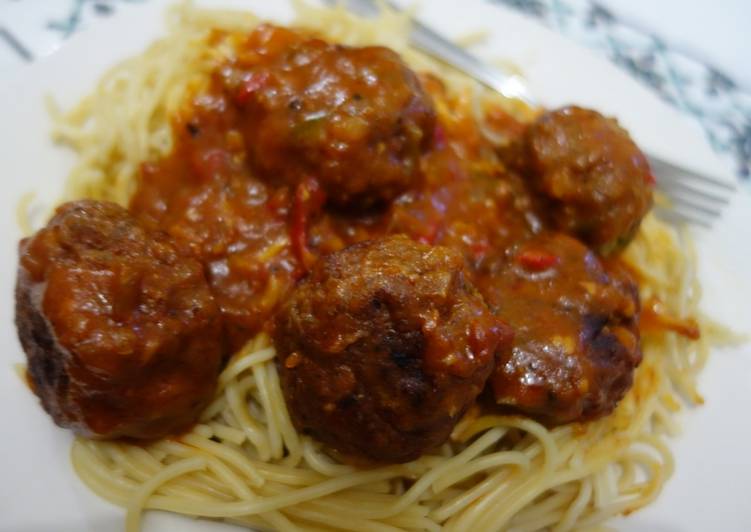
{"x": 655, "y": 317}
{"x": 536, "y": 260}
{"x": 309, "y": 198}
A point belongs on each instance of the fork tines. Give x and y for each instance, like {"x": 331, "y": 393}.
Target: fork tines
{"x": 694, "y": 198}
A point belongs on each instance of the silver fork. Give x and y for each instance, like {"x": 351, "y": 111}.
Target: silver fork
{"x": 694, "y": 197}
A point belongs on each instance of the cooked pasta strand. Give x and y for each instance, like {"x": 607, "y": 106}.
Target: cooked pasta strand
{"x": 247, "y": 464}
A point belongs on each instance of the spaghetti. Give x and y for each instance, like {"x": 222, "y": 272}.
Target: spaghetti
{"x": 245, "y": 463}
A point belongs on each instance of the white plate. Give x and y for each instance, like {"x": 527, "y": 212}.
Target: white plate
{"x": 40, "y": 492}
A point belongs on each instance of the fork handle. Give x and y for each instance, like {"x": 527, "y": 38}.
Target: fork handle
{"x": 496, "y": 78}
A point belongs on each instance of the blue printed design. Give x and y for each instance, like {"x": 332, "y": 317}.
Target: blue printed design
{"x": 698, "y": 89}
{"x": 15, "y": 44}
{"x": 71, "y": 23}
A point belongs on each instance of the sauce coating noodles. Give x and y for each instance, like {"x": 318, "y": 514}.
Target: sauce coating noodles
{"x": 245, "y": 463}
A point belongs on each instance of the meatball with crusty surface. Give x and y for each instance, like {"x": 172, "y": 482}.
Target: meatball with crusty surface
{"x": 355, "y": 119}
{"x": 576, "y": 336}
{"x": 597, "y": 181}
{"x": 122, "y": 335}
{"x": 383, "y": 347}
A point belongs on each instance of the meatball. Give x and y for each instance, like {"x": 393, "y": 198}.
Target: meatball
{"x": 383, "y": 347}
{"x": 355, "y": 119}
{"x": 122, "y": 335}
{"x": 576, "y": 341}
{"x": 597, "y": 181}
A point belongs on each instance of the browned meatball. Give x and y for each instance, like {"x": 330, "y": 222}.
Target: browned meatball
{"x": 576, "y": 341}
{"x": 356, "y": 119}
{"x": 383, "y": 347}
{"x": 597, "y": 180}
{"x": 122, "y": 335}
